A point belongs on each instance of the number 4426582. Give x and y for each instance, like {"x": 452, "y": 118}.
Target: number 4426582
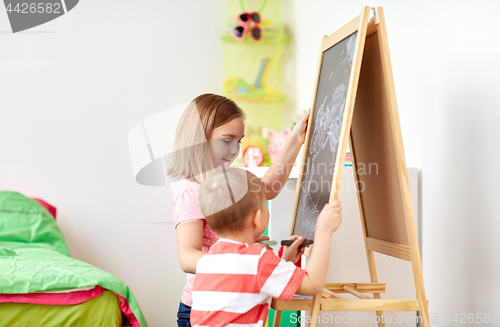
{"x": 471, "y": 318}
{"x": 31, "y": 8}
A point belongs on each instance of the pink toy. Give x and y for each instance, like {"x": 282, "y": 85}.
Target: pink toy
{"x": 277, "y": 142}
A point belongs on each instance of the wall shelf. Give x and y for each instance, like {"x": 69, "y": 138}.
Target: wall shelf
{"x": 261, "y": 171}
{"x": 268, "y": 38}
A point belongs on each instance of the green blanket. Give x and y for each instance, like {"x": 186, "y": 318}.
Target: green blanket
{"x": 34, "y": 256}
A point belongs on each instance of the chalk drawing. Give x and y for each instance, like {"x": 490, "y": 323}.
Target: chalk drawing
{"x": 326, "y": 128}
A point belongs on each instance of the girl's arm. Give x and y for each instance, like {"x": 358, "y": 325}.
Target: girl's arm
{"x": 189, "y": 244}
{"x": 276, "y": 176}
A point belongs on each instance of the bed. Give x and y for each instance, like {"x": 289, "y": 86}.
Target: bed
{"x": 41, "y": 285}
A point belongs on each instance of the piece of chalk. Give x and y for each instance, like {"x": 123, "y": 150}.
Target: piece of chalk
{"x": 289, "y": 242}
{"x": 269, "y": 243}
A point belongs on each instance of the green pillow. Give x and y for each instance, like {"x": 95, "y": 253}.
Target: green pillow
{"x": 24, "y": 220}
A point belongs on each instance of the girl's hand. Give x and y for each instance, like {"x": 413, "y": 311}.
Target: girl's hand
{"x": 300, "y": 129}
{"x": 293, "y": 252}
{"x": 263, "y": 238}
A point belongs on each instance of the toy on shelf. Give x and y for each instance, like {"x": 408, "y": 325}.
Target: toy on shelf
{"x": 348, "y": 159}
{"x": 253, "y": 151}
{"x": 253, "y": 157}
{"x": 277, "y": 140}
{"x": 240, "y": 90}
{"x": 249, "y": 23}
{"x": 252, "y": 63}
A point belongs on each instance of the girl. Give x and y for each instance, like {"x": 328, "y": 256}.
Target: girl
{"x": 208, "y": 136}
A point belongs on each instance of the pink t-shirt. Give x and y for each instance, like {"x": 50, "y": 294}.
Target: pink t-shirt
{"x": 186, "y": 207}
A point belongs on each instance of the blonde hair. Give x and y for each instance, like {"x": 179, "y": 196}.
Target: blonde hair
{"x": 192, "y": 157}
{"x": 228, "y": 197}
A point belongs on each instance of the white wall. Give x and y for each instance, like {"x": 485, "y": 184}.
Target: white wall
{"x": 446, "y": 70}
{"x": 71, "y": 90}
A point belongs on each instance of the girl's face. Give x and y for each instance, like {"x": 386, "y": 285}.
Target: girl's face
{"x": 225, "y": 142}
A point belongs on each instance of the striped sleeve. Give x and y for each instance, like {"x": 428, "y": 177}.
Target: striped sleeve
{"x": 278, "y": 278}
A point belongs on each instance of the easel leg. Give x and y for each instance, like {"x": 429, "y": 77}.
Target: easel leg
{"x": 379, "y": 313}
{"x": 277, "y": 318}
{"x": 424, "y": 313}
{"x": 374, "y": 279}
{"x": 315, "y": 310}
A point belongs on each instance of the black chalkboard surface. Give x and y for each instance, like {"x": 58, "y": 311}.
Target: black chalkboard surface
{"x": 325, "y": 125}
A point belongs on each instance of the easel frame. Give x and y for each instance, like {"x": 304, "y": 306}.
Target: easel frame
{"x": 358, "y": 24}
{"x": 408, "y": 249}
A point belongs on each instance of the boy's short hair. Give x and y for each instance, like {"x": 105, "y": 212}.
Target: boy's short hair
{"x": 228, "y": 197}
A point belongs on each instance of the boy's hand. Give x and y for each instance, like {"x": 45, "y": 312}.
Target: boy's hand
{"x": 330, "y": 218}
{"x": 293, "y": 252}
{"x": 300, "y": 129}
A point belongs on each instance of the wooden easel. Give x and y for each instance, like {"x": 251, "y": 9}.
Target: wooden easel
{"x": 371, "y": 120}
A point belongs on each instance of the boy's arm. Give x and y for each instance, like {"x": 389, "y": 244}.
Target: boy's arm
{"x": 317, "y": 266}
{"x": 328, "y": 222}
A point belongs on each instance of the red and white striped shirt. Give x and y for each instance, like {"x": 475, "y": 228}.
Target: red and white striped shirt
{"x": 235, "y": 282}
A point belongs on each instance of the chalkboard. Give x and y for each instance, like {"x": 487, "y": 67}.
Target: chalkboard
{"x": 354, "y": 100}
{"x": 324, "y": 135}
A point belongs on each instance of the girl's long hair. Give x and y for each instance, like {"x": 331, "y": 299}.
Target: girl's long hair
{"x": 192, "y": 156}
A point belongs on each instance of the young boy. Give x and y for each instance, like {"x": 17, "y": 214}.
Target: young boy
{"x": 236, "y": 279}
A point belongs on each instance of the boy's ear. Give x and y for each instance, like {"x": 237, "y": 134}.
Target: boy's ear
{"x": 257, "y": 222}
